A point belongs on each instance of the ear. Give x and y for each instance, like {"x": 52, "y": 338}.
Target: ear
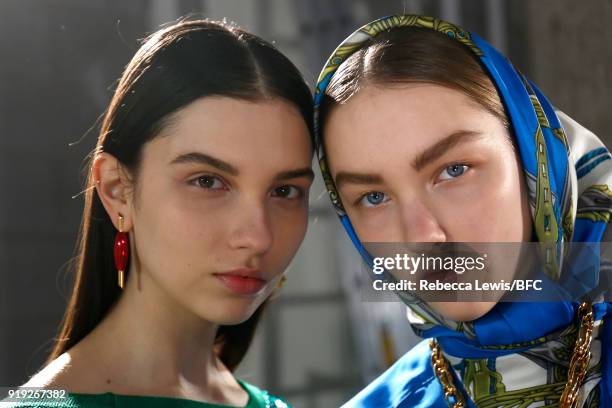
{"x": 113, "y": 188}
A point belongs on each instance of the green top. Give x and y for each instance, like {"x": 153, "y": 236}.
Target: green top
{"x": 257, "y": 399}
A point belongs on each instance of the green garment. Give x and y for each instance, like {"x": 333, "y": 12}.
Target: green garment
{"x": 257, "y": 399}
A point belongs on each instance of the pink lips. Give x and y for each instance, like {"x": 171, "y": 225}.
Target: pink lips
{"x": 243, "y": 281}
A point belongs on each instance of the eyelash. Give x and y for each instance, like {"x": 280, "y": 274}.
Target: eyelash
{"x": 196, "y": 182}
{"x": 466, "y": 167}
{"x": 362, "y": 197}
{"x": 298, "y": 191}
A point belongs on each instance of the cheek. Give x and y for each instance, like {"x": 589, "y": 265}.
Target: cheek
{"x": 493, "y": 210}
{"x": 379, "y": 225}
{"x": 288, "y": 230}
{"x": 175, "y": 237}
{"x": 514, "y": 218}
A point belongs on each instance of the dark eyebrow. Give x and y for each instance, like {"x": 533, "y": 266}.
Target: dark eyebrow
{"x": 420, "y": 161}
{"x": 345, "y": 177}
{"x": 441, "y": 147}
{"x": 297, "y": 173}
{"x": 201, "y": 158}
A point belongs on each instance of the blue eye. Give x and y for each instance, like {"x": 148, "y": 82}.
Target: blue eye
{"x": 373, "y": 199}
{"x": 453, "y": 171}
{"x": 287, "y": 192}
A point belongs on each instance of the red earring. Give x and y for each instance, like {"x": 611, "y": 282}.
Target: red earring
{"x": 122, "y": 245}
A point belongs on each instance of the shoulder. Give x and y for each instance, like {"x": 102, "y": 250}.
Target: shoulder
{"x": 409, "y": 382}
{"x": 259, "y": 398}
{"x": 52, "y": 383}
{"x": 48, "y": 399}
{"x": 60, "y": 374}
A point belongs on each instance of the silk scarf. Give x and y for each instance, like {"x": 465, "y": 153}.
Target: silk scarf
{"x": 517, "y": 354}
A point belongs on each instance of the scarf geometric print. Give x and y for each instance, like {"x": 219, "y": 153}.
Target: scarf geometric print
{"x": 517, "y": 355}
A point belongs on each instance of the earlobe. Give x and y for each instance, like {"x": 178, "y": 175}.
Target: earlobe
{"x": 111, "y": 186}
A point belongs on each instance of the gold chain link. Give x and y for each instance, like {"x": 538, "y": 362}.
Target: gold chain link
{"x": 440, "y": 367}
{"x": 579, "y": 362}
{"x": 578, "y": 366}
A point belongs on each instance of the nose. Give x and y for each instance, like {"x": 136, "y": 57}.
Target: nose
{"x": 419, "y": 223}
{"x": 251, "y": 230}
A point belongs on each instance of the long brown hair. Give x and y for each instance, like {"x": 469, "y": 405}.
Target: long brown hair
{"x": 413, "y": 55}
{"x": 174, "y": 67}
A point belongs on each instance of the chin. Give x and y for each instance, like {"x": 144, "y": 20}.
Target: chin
{"x": 462, "y": 311}
{"x": 230, "y": 312}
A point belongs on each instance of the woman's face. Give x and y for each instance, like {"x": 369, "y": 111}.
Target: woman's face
{"x": 425, "y": 163}
{"x": 221, "y": 204}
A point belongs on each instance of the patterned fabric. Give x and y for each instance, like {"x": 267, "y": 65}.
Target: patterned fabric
{"x": 518, "y": 353}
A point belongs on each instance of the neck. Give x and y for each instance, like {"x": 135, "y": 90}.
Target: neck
{"x": 151, "y": 342}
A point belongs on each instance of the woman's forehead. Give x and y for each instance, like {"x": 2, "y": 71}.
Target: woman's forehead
{"x": 225, "y": 129}
{"x": 416, "y": 114}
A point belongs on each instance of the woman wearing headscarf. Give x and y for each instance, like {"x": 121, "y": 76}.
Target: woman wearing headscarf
{"x": 427, "y": 134}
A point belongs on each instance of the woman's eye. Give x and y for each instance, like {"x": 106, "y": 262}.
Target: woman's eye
{"x": 287, "y": 192}
{"x": 209, "y": 182}
{"x": 373, "y": 198}
{"x": 453, "y": 171}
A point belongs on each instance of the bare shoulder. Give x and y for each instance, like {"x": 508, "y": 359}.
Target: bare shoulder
{"x": 59, "y": 374}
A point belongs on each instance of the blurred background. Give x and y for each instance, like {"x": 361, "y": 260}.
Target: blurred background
{"x": 319, "y": 343}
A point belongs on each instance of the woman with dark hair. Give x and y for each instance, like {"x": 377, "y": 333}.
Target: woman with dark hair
{"x": 196, "y": 202}
{"x": 426, "y": 134}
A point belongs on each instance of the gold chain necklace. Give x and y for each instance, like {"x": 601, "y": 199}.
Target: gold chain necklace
{"x": 575, "y": 375}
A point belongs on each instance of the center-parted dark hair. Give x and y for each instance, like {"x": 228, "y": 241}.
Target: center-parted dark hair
{"x": 174, "y": 67}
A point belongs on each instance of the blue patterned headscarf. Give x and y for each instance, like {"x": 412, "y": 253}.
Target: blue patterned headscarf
{"x": 568, "y": 173}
